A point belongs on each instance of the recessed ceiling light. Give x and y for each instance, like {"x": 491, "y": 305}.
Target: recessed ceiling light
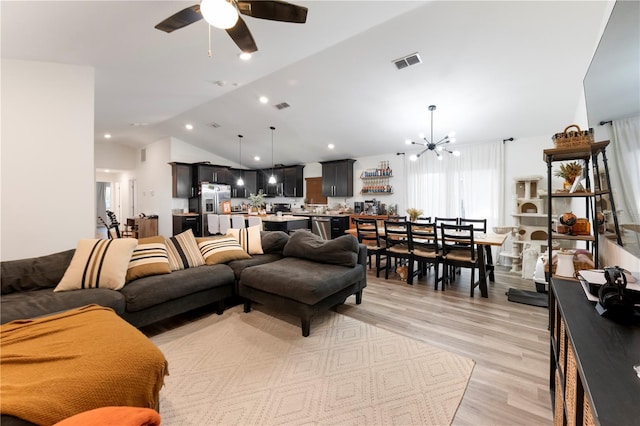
{"x": 407, "y": 141}
{"x": 264, "y": 99}
{"x": 107, "y": 135}
{"x": 188, "y": 126}
{"x": 245, "y": 56}
{"x": 331, "y": 146}
{"x": 256, "y": 158}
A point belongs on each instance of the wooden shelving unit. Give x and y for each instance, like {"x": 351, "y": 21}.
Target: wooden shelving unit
{"x": 586, "y": 153}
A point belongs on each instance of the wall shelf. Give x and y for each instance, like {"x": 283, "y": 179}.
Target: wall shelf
{"x": 376, "y": 181}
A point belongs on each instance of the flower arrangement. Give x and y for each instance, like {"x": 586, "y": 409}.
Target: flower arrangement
{"x": 569, "y": 171}
{"x": 414, "y": 214}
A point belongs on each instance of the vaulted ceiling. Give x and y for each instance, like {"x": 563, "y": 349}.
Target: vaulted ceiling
{"x": 494, "y": 69}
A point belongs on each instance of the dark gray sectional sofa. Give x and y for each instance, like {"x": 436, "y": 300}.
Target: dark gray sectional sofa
{"x": 280, "y": 278}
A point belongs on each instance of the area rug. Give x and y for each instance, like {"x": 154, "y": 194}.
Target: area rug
{"x": 257, "y": 369}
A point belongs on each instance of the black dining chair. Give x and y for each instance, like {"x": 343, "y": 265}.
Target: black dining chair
{"x": 115, "y": 225}
{"x": 397, "y": 218}
{"x": 447, "y": 220}
{"x": 458, "y": 250}
{"x": 480, "y": 225}
{"x": 424, "y": 219}
{"x": 423, "y": 245}
{"x": 450, "y": 221}
{"x": 396, "y": 235}
{"x": 367, "y": 234}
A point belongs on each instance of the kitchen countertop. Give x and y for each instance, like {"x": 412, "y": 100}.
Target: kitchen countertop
{"x": 283, "y": 218}
{"x": 311, "y": 214}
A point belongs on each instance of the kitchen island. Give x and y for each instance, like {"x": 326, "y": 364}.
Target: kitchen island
{"x": 286, "y": 223}
{"x": 327, "y": 225}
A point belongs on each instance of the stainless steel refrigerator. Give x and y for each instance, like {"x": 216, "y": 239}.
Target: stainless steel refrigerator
{"x": 213, "y": 198}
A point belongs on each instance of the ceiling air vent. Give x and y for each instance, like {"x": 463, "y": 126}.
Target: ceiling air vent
{"x": 409, "y": 60}
{"x": 282, "y": 105}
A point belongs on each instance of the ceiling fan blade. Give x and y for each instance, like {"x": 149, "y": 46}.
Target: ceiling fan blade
{"x": 181, "y": 19}
{"x": 242, "y": 36}
{"x": 273, "y": 10}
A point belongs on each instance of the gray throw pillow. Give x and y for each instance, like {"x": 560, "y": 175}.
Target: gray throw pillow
{"x": 273, "y": 241}
{"x": 339, "y": 251}
{"x": 35, "y": 273}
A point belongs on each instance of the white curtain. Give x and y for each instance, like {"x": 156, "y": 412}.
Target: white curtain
{"x": 625, "y": 169}
{"x": 468, "y": 186}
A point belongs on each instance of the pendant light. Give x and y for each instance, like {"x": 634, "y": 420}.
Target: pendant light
{"x": 272, "y": 178}
{"x": 240, "y": 182}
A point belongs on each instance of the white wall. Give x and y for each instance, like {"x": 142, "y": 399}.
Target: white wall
{"x": 154, "y": 185}
{"x": 113, "y": 156}
{"x": 47, "y": 168}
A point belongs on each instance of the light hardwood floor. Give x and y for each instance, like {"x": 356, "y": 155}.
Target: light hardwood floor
{"x": 508, "y": 341}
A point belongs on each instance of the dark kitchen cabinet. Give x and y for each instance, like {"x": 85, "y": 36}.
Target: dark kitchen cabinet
{"x": 339, "y": 225}
{"x": 182, "y": 180}
{"x": 337, "y": 178}
{"x": 250, "y": 178}
{"x": 293, "y": 181}
{"x": 183, "y": 222}
{"x": 212, "y": 173}
{"x": 272, "y": 190}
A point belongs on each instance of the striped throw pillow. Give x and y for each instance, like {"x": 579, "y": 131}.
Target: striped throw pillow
{"x": 98, "y": 264}
{"x": 183, "y": 251}
{"x": 249, "y": 238}
{"x": 221, "y": 250}
{"x": 150, "y": 257}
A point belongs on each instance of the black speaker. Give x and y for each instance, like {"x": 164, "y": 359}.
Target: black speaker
{"x": 612, "y": 299}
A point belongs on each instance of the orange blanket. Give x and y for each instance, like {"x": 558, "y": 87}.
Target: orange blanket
{"x": 114, "y": 416}
{"x": 57, "y": 366}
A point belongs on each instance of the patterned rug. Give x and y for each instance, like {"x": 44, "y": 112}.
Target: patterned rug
{"x": 257, "y": 369}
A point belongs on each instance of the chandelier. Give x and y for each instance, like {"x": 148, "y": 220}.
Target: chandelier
{"x": 430, "y": 145}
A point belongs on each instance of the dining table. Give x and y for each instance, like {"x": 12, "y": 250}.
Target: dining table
{"x": 483, "y": 241}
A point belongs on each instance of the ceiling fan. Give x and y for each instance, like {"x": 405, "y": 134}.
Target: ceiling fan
{"x": 215, "y": 11}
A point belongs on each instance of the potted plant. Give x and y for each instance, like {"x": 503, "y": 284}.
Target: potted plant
{"x": 569, "y": 172}
{"x": 256, "y": 201}
{"x": 414, "y": 214}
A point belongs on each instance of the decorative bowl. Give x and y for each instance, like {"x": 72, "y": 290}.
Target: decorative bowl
{"x": 502, "y": 229}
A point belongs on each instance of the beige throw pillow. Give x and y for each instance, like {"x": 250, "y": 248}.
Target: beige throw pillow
{"x": 183, "y": 251}
{"x": 98, "y": 264}
{"x": 221, "y": 250}
{"x": 150, "y": 257}
{"x": 248, "y": 238}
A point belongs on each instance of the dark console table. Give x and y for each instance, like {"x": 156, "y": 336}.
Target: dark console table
{"x": 592, "y": 380}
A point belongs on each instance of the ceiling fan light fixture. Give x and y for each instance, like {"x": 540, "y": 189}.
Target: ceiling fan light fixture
{"x": 219, "y": 13}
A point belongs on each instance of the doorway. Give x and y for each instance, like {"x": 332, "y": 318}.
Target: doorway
{"x": 103, "y": 200}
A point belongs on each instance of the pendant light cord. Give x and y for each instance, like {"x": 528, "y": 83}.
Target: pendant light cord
{"x": 272, "y": 129}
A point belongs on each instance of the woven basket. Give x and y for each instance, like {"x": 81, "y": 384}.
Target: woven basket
{"x": 574, "y": 138}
